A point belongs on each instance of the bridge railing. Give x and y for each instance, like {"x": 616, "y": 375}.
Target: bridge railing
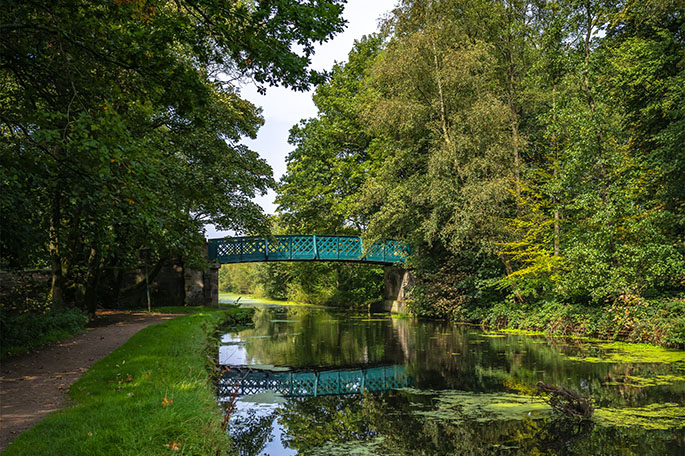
{"x": 305, "y": 247}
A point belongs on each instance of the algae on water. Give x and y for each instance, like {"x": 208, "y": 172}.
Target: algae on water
{"x": 653, "y": 416}
{"x": 459, "y": 406}
{"x": 644, "y": 382}
{"x": 623, "y": 353}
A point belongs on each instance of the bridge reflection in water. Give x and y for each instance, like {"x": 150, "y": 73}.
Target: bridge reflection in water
{"x": 238, "y": 381}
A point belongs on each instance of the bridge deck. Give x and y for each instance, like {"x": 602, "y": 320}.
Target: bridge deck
{"x": 305, "y": 247}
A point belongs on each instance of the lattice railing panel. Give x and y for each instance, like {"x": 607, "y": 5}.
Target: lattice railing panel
{"x": 327, "y": 247}
{"x": 279, "y": 249}
{"x": 254, "y": 249}
{"x": 376, "y": 252}
{"x": 396, "y": 251}
{"x": 303, "y": 248}
{"x": 350, "y": 248}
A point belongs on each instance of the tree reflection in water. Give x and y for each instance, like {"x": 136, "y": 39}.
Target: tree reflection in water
{"x": 472, "y": 392}
{"x": 386, "y": 424}
{"x": 251, "y": 430}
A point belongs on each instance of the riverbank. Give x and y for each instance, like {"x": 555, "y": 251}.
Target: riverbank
{"x": 231, "y": 298}
{"x": 36, "y": 383}
{"x": 151, "y": 396}
{"x": 657, "y": 322}
{"x": 630, "y": 319}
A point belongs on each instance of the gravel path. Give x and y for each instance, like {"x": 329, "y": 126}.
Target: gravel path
{"x": 35, "y": 384}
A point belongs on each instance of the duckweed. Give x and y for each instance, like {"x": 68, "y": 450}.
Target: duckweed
{"x": 459, "y": 406}
{"x": 644, "y": 382}
{"x": 653, "y": 416}
{"x": 621, "y": 353}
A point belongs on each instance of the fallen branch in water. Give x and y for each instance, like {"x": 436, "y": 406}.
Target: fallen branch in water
{"x": 566, "y": 402}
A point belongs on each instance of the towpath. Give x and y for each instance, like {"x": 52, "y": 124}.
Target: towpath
{"x": 35, "y": 384}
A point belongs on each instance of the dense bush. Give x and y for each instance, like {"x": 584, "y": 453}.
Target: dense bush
{"x": 628, "y": 318}
{"x": 20, "y": 332}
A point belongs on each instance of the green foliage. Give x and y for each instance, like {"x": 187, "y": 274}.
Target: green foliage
{"x": 339, "y": 284}
{"x": 22, "y": 332}
{"x": 238, "y": 278}
{"x": 531, "y": 246}
{"x": 455, "y": 287}
{"x": 628, "y": 318}
{"x": 145, "y": 396}
{"x": 319, "y": 190}
{"x": 120, "y": 128}
{"x": 531, "y": 152}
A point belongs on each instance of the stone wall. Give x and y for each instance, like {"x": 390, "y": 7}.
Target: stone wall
{"x": 19, "y": 289}
{"x": 398, "y": 283}
{"x": 174, "y": 285}
{"x": 201, "y": 288}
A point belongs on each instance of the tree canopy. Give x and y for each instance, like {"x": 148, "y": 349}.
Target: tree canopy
{"x": 531, "y": 151}
{"x": 121, "y": 124}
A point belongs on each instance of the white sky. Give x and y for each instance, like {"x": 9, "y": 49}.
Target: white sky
{"x": 283, "y": 108}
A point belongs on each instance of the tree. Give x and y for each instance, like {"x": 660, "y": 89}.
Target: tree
{"x": 121, "y": 121}
{"x": 319, "y": 193}
{"x": 332, "y": 154}
{"x": 527, "y": 148}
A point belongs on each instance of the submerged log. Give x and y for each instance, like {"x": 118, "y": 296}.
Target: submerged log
{"x": 566, "y": 402}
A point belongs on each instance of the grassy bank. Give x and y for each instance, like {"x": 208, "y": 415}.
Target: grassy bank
{"x": 153, "y": 395}
{"x": 225, "y": 297}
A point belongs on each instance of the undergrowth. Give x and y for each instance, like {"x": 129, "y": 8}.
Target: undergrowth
{"x": 629, "y": 319}
{"x": 20, "y": 332}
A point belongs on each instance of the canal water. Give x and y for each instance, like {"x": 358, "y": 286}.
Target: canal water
{"x": 312, "y": 381}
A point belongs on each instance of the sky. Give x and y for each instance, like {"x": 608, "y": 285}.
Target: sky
{"x": 282, "y": 108}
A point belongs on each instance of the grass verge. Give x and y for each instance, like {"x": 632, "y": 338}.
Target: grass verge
{"x": 152, "y": 396}
{"x": 253, "y": 299}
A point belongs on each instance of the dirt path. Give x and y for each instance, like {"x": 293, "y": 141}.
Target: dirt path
{"x": 35, "y": 384}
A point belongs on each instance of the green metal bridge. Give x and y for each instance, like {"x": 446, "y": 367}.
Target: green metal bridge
{"x": 239, "y": 381}
{"x": 305, "y": 248}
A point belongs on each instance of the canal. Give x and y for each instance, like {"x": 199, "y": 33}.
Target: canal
{"x": 313, "y": 381}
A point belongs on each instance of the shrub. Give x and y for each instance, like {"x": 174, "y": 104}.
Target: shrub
{"x": 20, "y": 332}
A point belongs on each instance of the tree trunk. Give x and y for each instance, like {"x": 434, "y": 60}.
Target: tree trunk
{"x": 517, "y": 163}
{"x": 555, "y": 148}
{"x": 515, "y": 136}
{"x": 591, "y": 100}
{"x": 443, "y": 108}
{"x": 91, "y": 281}
{"x": 57, "y": 279}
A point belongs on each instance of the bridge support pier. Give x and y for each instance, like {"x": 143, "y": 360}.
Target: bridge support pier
{"x": 398, "y": 282}
{"x": 201, "y": 288}
{"x": 211, "y": 287}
